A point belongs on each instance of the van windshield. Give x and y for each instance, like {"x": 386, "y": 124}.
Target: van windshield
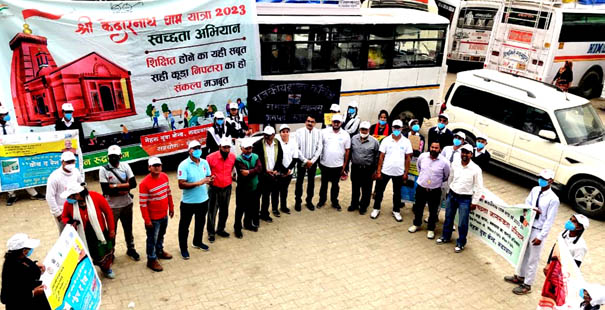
{"x": 580, "y": 124}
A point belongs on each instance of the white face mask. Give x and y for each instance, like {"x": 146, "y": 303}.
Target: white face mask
{"x": 70, "y": 167}
{"x": 364, "y": 135}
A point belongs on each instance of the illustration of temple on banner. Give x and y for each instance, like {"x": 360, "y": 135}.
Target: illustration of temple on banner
{"x": 97, "y": 88}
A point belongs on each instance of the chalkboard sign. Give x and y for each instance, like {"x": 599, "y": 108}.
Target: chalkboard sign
{"x": 271, "y": 102}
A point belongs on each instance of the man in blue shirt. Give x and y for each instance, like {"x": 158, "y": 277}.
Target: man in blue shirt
{"x": 193, "y": 175}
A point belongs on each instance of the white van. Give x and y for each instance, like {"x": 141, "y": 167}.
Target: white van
{"x": 532, "y": 126}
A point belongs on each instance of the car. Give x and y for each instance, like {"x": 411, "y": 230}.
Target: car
{"x": 532, "y": 126}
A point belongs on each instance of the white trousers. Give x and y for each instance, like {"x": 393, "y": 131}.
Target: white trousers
{"x": 531, "y": 259}
{"x": 30, "y": 190}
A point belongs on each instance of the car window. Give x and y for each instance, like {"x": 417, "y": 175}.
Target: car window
{"x": 494, "y": 107}
{"x": 535, "y": 120}
{"x": 464, "y": 98}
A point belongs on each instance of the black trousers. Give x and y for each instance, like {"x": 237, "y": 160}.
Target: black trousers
{"x": 270, "y": 191}
{"x": 329, "y": 175}
{"x": 300, "y": 178}
{"x": 246, "y": 206}
{"x": 381, "y": 185}
{"x": 361, "y": 180}
{"x": 218, "y": 203}
{"x": 424, "y": 196}
{"x": 284, "y": 184}
{"x": 188, "y": 211}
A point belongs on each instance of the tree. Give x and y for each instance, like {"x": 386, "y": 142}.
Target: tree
{"x": 190, "y": 106}
{"x": 149, "y": 110}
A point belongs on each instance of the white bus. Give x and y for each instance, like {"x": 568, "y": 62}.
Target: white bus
{"x": 471, "y": 23}
{"x": 391, "y": 59}
{"x": 535, "y": 39}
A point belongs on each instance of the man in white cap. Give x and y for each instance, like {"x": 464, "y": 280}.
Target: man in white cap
{"x": 546, "y": 204}
{"x": 451, "y": 153}
{"x": 116, "y": 179}
{"x": 333, "y": 161}
{"x": 352, "y": 120}
{"x": 221, "y": 164}
{"x": 290, "y": 149}
{"x": 247, "y": 195}
{"x": 271, "y": 156}
{"x": 214, "y": 134}
{"x": 235, "y": 120}
{"x": 364, "y": 158}
{"x": 9, "y": 129}
{"x": 335, "y": 109}
{"x": 572, "y": 234}
{"x": 310, "y": 147}
{"x": 440, "y": 133}
{"x": 393, "y": 164}
{"x": 193, "y": 174}
{"x": 466, "y": 187}
{"x": 69, "y": 122}
{"x": 57, "y": 183}
{"x": 481, "y": 156}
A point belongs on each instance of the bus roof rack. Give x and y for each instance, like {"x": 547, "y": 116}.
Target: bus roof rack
{"x": 487, "y": 79}
{"x": 543, "y": 2}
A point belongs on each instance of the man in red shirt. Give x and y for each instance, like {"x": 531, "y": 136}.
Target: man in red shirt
{"x": 221, "y": 164}
{"x": 156, "y": 200}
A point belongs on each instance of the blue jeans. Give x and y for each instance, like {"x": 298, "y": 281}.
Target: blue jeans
{"x": 155, "y": 237}
{"x": 462, "y": 204}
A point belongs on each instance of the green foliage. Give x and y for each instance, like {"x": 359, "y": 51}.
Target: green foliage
{"x": 165, "y": 108}
{"x": 149, "y": 110}
{"x": 190, "y": 106}
{"x": 199, "y": 112}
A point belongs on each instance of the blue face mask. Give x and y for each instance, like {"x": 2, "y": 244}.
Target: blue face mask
{"x": 70, "y": 200}
{"x": 67, "y": 116}
{"x": 220, "y": 122}
{"x": 440, "y": 125}
{"x": 351, "y": 110}
{"x": 29, "y": 253}
{"x": 7, "y": 118}
{"x": 542, "y": 182}
{"x": 570, "y": 226}
{"x": 582, "y": 293}
{"x": 480, "y": 145}
{"x": 247, "y": 156}
{"x": 416, "y": 128}
{"x": 382, "y": 123}
{"x": 396, "y": 132}
{"x": 457, "y": 142}
{"x": 197, "y": 153}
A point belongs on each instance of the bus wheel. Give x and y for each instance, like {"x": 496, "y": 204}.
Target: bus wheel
{"x": 591, "y": 85}
{"x": 405, "y": 116}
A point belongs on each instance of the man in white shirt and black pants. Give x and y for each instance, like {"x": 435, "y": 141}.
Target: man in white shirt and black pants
{"x": 393, "y": 163}
{"x": 310, "y": 147}
{"x": 546, "y": 204}
{"x": 335, "y": 154}
{"x": 466, "y": 186}
{"x": 290, "y": 151}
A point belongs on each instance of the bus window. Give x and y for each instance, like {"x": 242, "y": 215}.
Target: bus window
{"x": 346, "y": 56}
{"x": 582, "y": 27}
{"x": 477, "y": 18}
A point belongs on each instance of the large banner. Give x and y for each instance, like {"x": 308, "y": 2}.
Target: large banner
{"x": 70, "y": 278}
{"x": 130, "y": 69}
{"x": 28, "y": 159}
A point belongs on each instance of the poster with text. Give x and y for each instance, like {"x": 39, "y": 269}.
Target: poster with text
{"x": 129, "y": 69}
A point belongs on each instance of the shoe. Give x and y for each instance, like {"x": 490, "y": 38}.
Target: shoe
{"x": 514, "y": 279}
{"x": 133, "y": 254}
{"x": 441, "y": 240}
{"x": 351, "y": 208}
{"x": 223, "y": 234}
{"x": 276, "y": 214}
{"x": 201, "y": 246}
{"x": 109, "y": 274}
{"x": 251, "y": 228}
{"x": 238, "y": 234}
{"x": 297, "y": 207}
{"x": 413, "y": 229}
{"x": 430, "y": 234}
{"x": 375, "y": 213}
{"x": 154, "y": 265}
{"x": 397, "y": 216}
{"x": 362, "y": 211}
{"x": 285, "y": 210}
{"x": 11, "y": 200}
{"x": 267, "y": 219}
{"x": 310, "y": 206}
{"x": 337, "y": 207}
{"x": 211, "y": 239}
{"x": 522, "y": 289}
{"x": 320, "y": 204}
{"x": 185, "y": 254}
{"x": 458, "y": 248}
{"x": 38, "y": 196}
{"x": 164, "y": 255}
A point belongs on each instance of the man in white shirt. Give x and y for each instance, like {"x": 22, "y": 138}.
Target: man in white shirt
{"x": 290, "y": 150}
{"x": 451, "y": 153}
{"x": 466, "y": 186}
{"x": 546, "y": 204}
{"x": 393, "y": 164}
{"x": 270, "y": 154}
{"x": 335, "y": 154}
{"x": 310, "y": 147}
{"x": 57, "y": 183}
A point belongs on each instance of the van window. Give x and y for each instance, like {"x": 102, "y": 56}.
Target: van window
{"x": 494, "y": 107}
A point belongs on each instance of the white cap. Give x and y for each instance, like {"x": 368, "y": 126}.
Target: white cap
{"x": 337, "y": 118}
{"x": 233, "y": 105}
{"x": 467, "y": 147}
{"x": 482, "y": 136}
{"x": 460, "y": 134}
{"x": 193, "y": 143}
{"x": 547, "y": 174}
{"x": 335, "y": 107}
{"x": 3, "y": 110}
{"x": 225, "y": 141}
{"x": 21, "y": 241}
{"x": 114, "y": 150}
{"x": 283, "y": 126}
{"x": 411, "y": 122}
{"x": 219, "y": 114}
{"x": 246, "y": 143}
{"x": 397, "y": 122}
{"x": 582, "y": 219}
{"x": 444, "y": 116}
{"x": 154, "y": 161}
{"x": 353, "y": 104}
{"x": 67, "y": 107}
{"x": 72, "y": 188}
{"x": 364, "y": 125}
{"x": 269, "y": 130}
{"x": 67, "y": 156}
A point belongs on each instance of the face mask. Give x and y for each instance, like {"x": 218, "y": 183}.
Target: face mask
{"x": 440, "y": 125}
{"x": 416, "y": 128}
{"x": 542, "y": 182}
{"x": 364, "y": 135}
{"x": 7, "y": 118}
{"x": 247, "y": 156}
{"x": 70, "y": 167}
{"x": 351, "y": 110}
{"x": 382, "y": 123}
{"x": 582, "y": 293}
{"x": 70, "y": 200}
{"x": 67, "y": 116}
{"x": 29, "y": 253}
{"x": 220, "y": 122}
{"x": 570, "y": 226}
{"x": 480, "y": 145}
{"x": 396, "y": 132}
{"x": 457, "y": 142}
{"x": 197, "y": 153}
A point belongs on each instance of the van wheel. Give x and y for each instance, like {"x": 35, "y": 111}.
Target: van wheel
{"x": 591, "y": 85}
{"x": 588, "y": 197}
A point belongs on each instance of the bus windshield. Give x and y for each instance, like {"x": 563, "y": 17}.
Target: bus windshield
{"x": 476, "y": 18}
{"x": 580, "y": 124}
